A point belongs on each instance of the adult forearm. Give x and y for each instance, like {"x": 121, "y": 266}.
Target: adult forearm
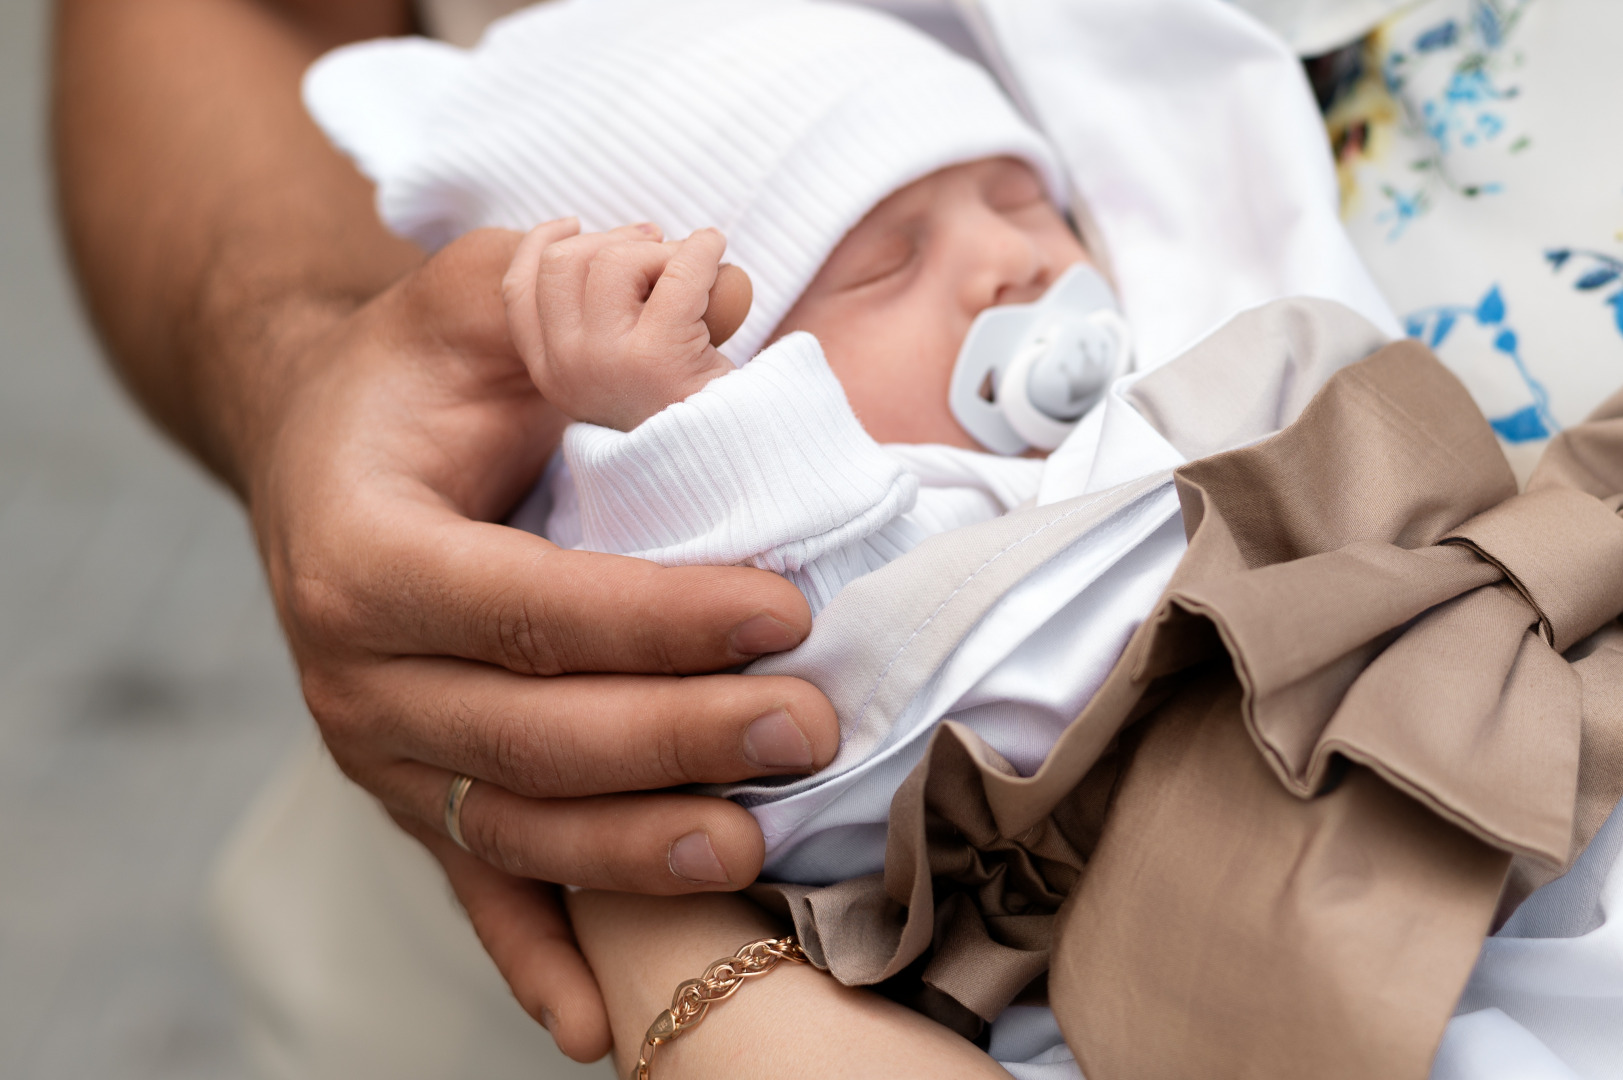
{"x": 238, "y": 272}
{"x": 213, "y": 227}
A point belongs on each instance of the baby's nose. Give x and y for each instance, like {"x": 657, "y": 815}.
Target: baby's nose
{"x": 1014, "y": 263}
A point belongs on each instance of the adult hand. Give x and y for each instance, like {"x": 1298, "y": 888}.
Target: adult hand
{"x": 368, "y": 408}
{"x": 432, "y": 642}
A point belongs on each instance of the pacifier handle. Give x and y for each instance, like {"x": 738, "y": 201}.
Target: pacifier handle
{"x": 1010, "y": 343}
{"x": 1018, "y": 402}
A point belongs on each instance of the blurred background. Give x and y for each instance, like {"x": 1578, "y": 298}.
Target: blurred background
{"x": 145, "y": 693}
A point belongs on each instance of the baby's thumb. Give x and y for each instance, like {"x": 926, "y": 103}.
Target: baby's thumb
{"x": 730, "y": 299}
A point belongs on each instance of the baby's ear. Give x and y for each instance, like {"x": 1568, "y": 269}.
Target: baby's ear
{"x": 730, "y": 299}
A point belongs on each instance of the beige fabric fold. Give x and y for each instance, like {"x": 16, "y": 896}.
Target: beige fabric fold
{"x": 1271, "y": 843}
{"x": 1563, "y": 551}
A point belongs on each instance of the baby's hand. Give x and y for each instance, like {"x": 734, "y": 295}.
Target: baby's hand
{"x": 615, "y": 326}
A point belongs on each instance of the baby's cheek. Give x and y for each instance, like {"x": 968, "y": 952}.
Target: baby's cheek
{"x": 1064, "y": 250}
{"x": 897, "y": 383}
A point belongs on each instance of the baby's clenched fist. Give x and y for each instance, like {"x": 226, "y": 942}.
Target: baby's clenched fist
{"x": 615, "y": 326}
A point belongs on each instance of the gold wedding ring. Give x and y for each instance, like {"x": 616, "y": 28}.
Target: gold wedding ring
{"x": 454, "y": 798}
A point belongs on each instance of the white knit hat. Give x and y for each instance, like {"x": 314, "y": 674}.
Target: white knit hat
{"x": 781, "y": 122}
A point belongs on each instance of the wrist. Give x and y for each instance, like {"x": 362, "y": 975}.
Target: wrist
{"x": 636, "y": 409}
{"x": 789, "y": 473}
{"x": 247, "y": 388}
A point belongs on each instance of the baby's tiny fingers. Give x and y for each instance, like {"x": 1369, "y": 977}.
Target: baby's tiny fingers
{"x": 682, "y": 293}
{"x": 620, "y": 280}
{"x": 519, "y": 285}
{"x": 565, "y": 265}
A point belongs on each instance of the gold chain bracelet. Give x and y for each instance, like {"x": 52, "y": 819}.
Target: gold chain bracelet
{"x": 719, "y": 982}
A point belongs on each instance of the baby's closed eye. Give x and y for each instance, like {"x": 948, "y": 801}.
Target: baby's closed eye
{"x": 1011, "y": 188}
{"x": 875, "y": 260}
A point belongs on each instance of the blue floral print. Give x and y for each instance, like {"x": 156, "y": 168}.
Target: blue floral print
{"x": 1467, "y": 112}
{"x": 1595, "y": 270}
{"x": 1433, "y": 325}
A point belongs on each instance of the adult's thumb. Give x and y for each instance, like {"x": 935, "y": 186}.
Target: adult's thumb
{"x": 730, "y": 299}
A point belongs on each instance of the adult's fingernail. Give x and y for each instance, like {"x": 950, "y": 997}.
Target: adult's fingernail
{"x": 693, "y": 859}
{"x": 775, "y": 741}
{"x": 762, "y": 634}
{"x": 549, "y": 1020}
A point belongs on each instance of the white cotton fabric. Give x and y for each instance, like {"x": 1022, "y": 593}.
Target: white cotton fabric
{"x": 1546, "y": 998}
{"x": 1198, "y": 154}
{"x": 1315, "y": 27}
{"x": 780, "y": 122}
{"x": 769, "y": 467}
{"x": 1188, "y": 131}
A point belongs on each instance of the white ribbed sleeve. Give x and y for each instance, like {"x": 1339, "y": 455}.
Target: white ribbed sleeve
{"x": 768, "y": 466}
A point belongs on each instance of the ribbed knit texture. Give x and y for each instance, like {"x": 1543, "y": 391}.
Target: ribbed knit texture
{"x": 781, "y": 122}
{"x": 768, "y": 467}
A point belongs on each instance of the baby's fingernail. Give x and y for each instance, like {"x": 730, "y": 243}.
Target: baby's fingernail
{"x": 549, "y": 1020}
{"x": 693, "y": 859}
{"x": 647, "y": 228}
{"x": 763, "y": 634}
{"x": 775, "y": 741}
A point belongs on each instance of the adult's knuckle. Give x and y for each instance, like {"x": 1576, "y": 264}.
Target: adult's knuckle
{"x": 501, "y": 835}
{"x": 317, "y": 608}
{"x": 489, "y": 835}
{"x": 329, "y": 696}
{"x": 525, "y": 637}
{"x": 528, "y": 760}
{"x": 584, "y": 863}
{"x": 660, "y": 646}
{"x": 673, "y": 752}
{"x": 668, "y": 636}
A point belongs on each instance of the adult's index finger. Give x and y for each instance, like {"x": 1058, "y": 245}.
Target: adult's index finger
{"x": 492, "y": 593}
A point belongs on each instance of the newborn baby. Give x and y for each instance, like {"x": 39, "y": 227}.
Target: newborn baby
{"x": 830, "y": 452}
{"x": 880, "y": 193}
{"x": 619, "y": 330}
{"x": 623, "y": 328}
{"x": 617, "y": 326}
{"x": 683, "y": 457}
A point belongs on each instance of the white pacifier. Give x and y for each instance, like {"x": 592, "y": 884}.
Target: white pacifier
{"x": 1028, "y": 372}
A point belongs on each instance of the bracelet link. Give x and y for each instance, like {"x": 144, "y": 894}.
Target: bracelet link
{"x": 720, "y": 981}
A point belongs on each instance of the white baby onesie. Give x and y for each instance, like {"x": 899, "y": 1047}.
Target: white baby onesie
{"x": 768, "y": 466}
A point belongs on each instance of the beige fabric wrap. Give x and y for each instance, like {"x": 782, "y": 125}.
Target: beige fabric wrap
{"x": 1381, "y": 699}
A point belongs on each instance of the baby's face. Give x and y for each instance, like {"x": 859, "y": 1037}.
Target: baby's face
{"x": 893, "y": 302}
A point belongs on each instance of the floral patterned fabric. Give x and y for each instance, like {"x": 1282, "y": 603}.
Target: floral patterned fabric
{"x": 1482, "y": 180}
